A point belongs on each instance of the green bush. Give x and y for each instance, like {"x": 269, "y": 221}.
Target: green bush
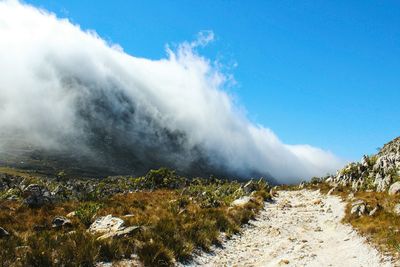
{"x": 86, "y": 211}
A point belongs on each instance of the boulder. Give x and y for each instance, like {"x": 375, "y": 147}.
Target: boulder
{"x": 3, "y": 232}
{"x": 396, "y": 209}
{"x": 241, "y": 201}
{"x": 358, "y": 208}
{"x": 59, "y": 222}
{"x": 394, "y": 188}
{"x": 111, "y": 227}
{"x": 36, "y": 195}
{"x": 106, "y": 224}
{"x": 128, "y": 231}
{"x": 71, "y": 214}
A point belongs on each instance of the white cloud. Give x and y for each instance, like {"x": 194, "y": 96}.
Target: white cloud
{"x": 52, "y": 72}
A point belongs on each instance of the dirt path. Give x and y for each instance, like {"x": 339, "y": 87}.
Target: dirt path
{"x": 302, "y": 228}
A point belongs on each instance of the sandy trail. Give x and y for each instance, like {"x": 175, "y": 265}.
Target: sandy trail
{"x": 301, "y": 228}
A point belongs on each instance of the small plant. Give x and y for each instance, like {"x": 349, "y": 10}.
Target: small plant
{"x": 86, "y": 212}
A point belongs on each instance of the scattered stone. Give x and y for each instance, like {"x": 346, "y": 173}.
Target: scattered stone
{"x": 128, "y": 231}
{"x": 106, "y": 224}
{"x": 241, "y": 201}
{"x": 331, "y": 191}
{"x": 285, "y": 204}
{"x": 396, "y": 209}
{"x": 60, "y": 221}
{"x": 3, "y": 232}
{"x": 284, "y": 262}
{"x": 358, "y": 208}
{"x": 374, "y": 210}
{"x": 273, "y": 193}
{"x": 36, "y": 195}
{"x": 71, "y": 214}
{"x": 350, "y": 196}
{"x": 317, "y": 202}
{"x": 394, "y": 188}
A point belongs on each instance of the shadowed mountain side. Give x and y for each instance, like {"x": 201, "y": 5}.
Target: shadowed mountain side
{"x": 114, "y": 141}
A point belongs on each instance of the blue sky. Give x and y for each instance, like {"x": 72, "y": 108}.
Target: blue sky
{"x": 325, "y": 73}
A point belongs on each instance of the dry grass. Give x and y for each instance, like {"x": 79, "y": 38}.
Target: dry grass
{"x": 383, "y": 229}
{"x": 173, "y": 224}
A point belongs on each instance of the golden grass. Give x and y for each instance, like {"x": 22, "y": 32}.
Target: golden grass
{"x": 172, "y": 227}
{"x": 382, "y": 229}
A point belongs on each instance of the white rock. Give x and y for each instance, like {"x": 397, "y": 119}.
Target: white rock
{"x": 358, "y": 207}
{"x": 331, "y": 191}
{"x": 241, "y": 201}
{"x": 120, "y": 233}
{"x": 396, "y": 209}
{"x": 394, "y": 188}
{"x": 71, "y": 214}
{"x": 106, "y": 224}
{"x": 374, "y": 211}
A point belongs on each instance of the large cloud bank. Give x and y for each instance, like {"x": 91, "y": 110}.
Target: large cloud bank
{"x": 64, "y": 89}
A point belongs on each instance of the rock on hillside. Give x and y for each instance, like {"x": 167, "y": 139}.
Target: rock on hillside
{"x": 377, "y": 172}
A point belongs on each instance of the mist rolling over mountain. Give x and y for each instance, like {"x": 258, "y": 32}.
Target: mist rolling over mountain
{"x": 68, "y": 94}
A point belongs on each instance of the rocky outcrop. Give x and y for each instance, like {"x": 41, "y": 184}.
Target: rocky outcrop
{"x": 36, "y": 195}
{"x": 380, "y": 172}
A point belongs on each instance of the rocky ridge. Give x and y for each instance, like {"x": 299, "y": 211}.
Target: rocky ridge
{"x": 380, "y": 172}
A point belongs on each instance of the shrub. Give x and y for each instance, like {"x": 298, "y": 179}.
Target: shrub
{"x": 86, "y": 211}
{"x": 155, "y": 254}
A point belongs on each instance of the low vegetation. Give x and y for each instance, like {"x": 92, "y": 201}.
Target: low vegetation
{"x": 175, "y": 216}
{"x": 383, "y": 228}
